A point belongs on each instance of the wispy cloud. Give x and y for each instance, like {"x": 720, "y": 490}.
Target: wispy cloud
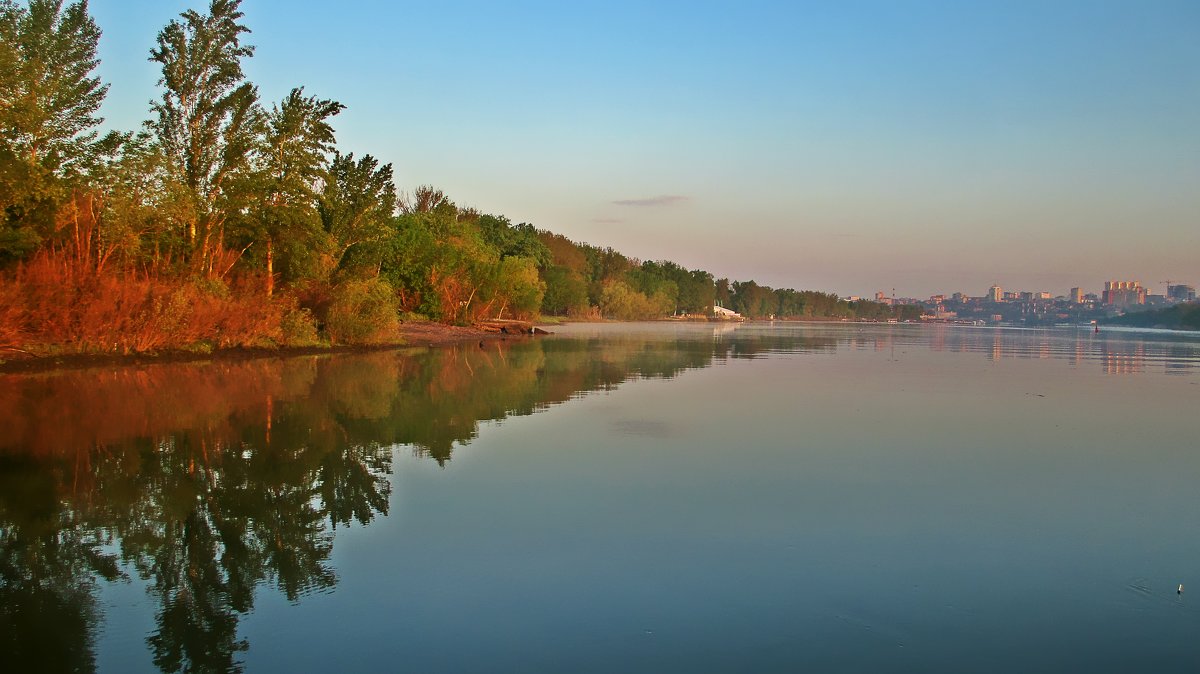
{"x": 607, "y": 221}
{"x": 662, "y": 200}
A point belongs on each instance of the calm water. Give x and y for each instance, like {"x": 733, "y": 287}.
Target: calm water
{"x": 635, "y": 498}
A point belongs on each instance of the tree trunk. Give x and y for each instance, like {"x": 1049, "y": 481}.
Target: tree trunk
{"x": 270, "y": 267}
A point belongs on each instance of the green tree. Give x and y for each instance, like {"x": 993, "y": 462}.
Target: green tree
{"x": 519, "y": 289}
{"x": 48, "y": 104}
{"x": 357, "y": 205}
{"x": 298, "y": 142}
{"x": 208, "y": 120}
{"x": 566, "y": 292}
{"x": 605, "y": 265}
{"x": 141, "y": 207}
{"x": 49, "y": 98}
{"x": 514, "y": 240}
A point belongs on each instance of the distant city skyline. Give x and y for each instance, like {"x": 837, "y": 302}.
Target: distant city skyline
{"x": 927, "y": 147}
{"x": 996, "y": 292}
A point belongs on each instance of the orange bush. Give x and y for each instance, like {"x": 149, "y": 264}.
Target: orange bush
{"x": 48, "y": 305}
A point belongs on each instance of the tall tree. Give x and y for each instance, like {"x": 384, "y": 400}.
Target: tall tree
{"x": 48, "y": 104}
{"x": 357, "y": 203}
{"x": 298, "y": 143}
{"x": 48, "y": 97}
{"x": 208, "y": 119}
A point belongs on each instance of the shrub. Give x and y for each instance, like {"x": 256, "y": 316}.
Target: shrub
{"x": 299, "y": 328}
{"x": 49, "y": 306}
{"x": 362, "y": 312}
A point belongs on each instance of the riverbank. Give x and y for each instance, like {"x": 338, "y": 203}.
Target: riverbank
{"x": 412, "y": 334}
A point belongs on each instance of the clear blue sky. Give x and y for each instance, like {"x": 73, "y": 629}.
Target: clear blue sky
{"x": 843, "y": 146}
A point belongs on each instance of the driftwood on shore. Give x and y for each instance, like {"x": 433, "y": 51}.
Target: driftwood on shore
{"x": 505, "y": 326}
{"x": 510, "y": 327}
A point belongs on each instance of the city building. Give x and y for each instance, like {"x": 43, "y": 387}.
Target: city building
{"x": 1123, "y": 293}
{"x": 1076, "y": 295}
{"x": 995, "y": 294}
{"x": 1181, "y": 293}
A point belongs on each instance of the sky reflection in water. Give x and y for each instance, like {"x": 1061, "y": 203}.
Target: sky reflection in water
{"x": 708, "y": 499}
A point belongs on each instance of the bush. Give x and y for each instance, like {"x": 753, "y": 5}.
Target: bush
{"x": 363, "y": 312}
{"x": 299, "y": 328}
{"x": 49, "y": 307}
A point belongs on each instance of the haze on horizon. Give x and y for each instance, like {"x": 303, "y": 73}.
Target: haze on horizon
{"x": 923, "y": 146}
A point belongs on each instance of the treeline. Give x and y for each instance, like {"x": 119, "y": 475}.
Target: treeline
{"x": 1179, "y": 317}
{"x": 226, "y": 220}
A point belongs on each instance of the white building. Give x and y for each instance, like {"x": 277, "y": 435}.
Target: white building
{"x": 725, "y": 314}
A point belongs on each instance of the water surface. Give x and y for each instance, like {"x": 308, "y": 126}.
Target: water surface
{"x": 652, "y": 497}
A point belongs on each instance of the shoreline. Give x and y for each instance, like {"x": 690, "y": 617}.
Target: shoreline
{"x": 412, "y": 335}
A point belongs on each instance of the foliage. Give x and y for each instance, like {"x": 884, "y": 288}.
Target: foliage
{"x": 48, "y": 105}
{"x": 620, "y": 301}
{"x": 1179, "y": 317}
{"x": 356, "y": 206}
{"x": 566, "y": 292}
{"x": 52, "y": 308}
{"x": 298, "y": 327}
{"x": 292, "y": 159}
{"x": 208, "y": 121}
{"x": 518, "y": 288}
{"x": 50, "y": 98}
{"x": 362, "y": 312}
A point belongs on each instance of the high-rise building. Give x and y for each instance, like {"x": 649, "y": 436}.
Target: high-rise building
{"x": 995, "y": 294}
{"x": 1123, "y": 293}
{"x": 1076, "y": 295}
{"x": 1181, "y": 293}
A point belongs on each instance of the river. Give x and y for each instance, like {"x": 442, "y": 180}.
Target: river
{"x": 628, "y": 497}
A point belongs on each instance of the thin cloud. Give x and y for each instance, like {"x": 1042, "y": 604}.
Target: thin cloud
{"x": 662, "y": 200}
{"x": 607, "y": 221}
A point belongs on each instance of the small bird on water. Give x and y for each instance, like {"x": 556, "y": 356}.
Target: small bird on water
{"x": 1180, "y": 590}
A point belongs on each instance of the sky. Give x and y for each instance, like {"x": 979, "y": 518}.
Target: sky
{"x": 851, "y": 146}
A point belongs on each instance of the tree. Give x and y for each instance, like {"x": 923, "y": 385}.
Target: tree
{"x": 518, "y": 288}
{"x": 425, "y": 199}
{"x": 48, "y": 105}
{"x": 514, "y": 240}
{"x": 298, "y": 142}
{"x": 208, "y": 119}
{"x": 356, "y": 204}
{"x": 48, "y": 98}
{"x": 566, "y": 292}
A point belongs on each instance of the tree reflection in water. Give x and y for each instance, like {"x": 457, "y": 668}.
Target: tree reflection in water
{"x": 211, "y": 480}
